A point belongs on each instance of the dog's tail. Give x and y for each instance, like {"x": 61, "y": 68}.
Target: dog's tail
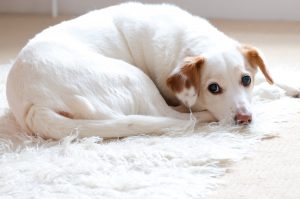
{"x": 47, "y": 123}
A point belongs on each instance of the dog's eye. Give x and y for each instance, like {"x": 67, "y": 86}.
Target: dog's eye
{"x": 214, "y": 88}
{"x": 246, "y": 80}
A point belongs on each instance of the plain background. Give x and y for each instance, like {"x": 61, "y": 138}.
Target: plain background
{"x": 215, "y": 9}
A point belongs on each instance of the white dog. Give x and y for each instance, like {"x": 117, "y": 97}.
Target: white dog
{"x": 115, "y": 72}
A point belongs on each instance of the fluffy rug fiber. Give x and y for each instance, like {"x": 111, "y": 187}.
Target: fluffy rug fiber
{"x": 181, "y": 165}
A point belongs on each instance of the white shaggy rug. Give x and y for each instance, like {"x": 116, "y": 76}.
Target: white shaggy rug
{"x": 186, "y": 165}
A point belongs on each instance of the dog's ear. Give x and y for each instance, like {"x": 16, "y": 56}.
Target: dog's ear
{"x": 255, "y": 59}
{"x": 188, "y": 75}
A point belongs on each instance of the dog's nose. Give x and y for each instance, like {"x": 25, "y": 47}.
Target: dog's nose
{"x": 243, "y": 118}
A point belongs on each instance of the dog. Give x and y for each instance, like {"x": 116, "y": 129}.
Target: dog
{"x": 119, "y": 71}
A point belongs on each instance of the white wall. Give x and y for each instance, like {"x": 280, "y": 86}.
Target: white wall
{"x": 228, "y": 9}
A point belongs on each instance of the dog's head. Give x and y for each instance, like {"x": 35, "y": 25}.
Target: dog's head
{"x": 220, "y": 82}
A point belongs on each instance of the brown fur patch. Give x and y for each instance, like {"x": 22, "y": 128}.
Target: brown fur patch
{"x": 188, "y": 75}
{"x": 175, "y": 82}
{"x": 66, "y": 114}
{"x": 255, "y": 59}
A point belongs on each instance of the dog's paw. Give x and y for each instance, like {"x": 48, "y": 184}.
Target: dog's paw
{"x": 297, "y": 95}
{"x": 293, "y": 93}
{"x": 290, "y": 90}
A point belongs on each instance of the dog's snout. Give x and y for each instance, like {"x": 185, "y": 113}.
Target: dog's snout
{"x": 243, "y": 118}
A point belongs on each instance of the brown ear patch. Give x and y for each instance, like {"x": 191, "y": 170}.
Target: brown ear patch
{"x": 176, "y": 82}
{"x": 255, "y": 59}
{"x": 187, "y": 76}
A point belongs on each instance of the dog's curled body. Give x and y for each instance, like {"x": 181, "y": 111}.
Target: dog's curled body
{"x": 82, "y": 74}
{"x": 114, "y": 72}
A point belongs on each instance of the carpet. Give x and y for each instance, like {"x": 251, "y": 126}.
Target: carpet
{"x": 181, "y": 165}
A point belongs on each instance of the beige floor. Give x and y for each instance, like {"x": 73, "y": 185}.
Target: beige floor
{"x": 16, "y": 30}
{"x": 274, "y": 171}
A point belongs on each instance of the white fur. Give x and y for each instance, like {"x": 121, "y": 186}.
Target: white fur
{"x": 188, "y": 96}
{"x": 107, "y": 70}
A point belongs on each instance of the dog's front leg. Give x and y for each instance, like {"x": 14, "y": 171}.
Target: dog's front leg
{"x": 202, "y": 116}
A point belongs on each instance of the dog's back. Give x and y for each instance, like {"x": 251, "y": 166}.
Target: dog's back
{"x": 77, "y": 75}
